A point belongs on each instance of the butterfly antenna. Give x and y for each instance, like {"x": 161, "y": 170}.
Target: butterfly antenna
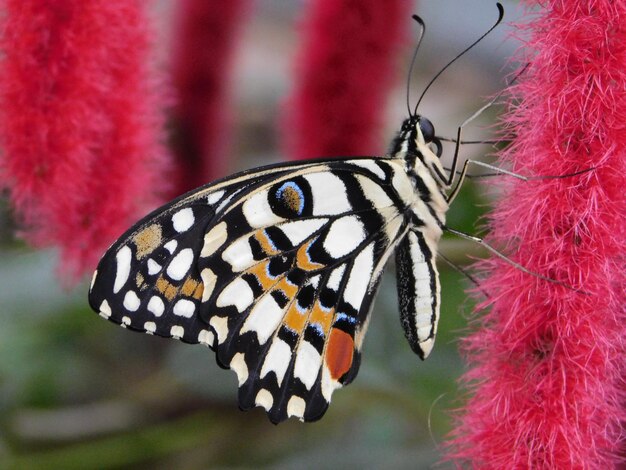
{"x": 500, "y": 16}
{"x": 417, "y": 46}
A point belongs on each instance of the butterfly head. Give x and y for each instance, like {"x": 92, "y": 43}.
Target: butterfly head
{"x": 417, "y": 136}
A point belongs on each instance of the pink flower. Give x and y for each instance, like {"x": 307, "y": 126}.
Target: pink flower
{"x": 80, "y": 122}
{"x": 203, "y": 52}
{"x": 547, "y": 362}
{"x": 345, "y": 70}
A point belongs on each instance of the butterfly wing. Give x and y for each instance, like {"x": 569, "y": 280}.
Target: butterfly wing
{"x": 275, "y": 269}
{"x": 149, "y": 280}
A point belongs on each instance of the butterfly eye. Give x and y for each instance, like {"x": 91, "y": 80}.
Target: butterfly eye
{"x": 427, "y": 128}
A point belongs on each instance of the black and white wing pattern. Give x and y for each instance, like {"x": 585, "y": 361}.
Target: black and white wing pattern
{"x": 275, "y": 269}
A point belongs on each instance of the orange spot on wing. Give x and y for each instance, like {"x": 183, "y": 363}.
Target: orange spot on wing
{"x": 304, "y": 261}
{"x": 295, "y": 320}
{"x": 265, "y": 242}
{"x": 192, "y": 288}
{"x": 322, "y": 317}
{"x": 260, "y": 271}
{"x": 197, "y": 294}
{"x": 147, "y": 240}
{"x": 139, "y": 280}
{"x": 165, "y": 288}
{"x": 339, "y": 352}
{"x": 289, "y": 289}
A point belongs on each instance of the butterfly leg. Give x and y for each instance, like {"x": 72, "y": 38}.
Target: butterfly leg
{"x": 482, "y": 109}
{"x": 463, "y": 174}
{"x": 461, "y": 271}
{"x": 502, "y": 256}
{"x": 501, "y": 171}
{"x": 459, "y": 140}
{"x": 471, "y": 142}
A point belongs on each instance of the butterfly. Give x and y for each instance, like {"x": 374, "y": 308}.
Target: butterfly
{"x": 276, "y": 268}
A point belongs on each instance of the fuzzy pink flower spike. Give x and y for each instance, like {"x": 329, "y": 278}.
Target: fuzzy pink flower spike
{"x": 346, "y": 68}
{"x": 547, "y": 363}
{"x": 204, "y": 46}
{"x": 80, "y": 122}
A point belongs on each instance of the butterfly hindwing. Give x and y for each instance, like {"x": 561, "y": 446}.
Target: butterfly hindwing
{"x": 275, "y": 269}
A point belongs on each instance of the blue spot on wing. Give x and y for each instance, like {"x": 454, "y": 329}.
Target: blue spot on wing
{"x": 345, "y": 317}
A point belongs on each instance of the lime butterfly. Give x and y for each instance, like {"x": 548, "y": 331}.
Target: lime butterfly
{"x": 276, "y": 268}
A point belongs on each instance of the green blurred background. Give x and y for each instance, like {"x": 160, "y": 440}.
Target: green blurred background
{"x": 79, "y": 392}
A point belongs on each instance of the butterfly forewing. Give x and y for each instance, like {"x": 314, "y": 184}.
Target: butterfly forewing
{"x": 149, "y": 277}
{"x": 275, "y": 269}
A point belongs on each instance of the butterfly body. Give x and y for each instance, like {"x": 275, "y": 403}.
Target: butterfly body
{"x": 276, "y": 268}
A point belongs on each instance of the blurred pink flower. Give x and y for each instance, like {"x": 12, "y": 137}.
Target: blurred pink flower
{"x": 204, "y": 43}
{"x": 344, "y": 72}
{"x": 547, "y": 363}
{"x": 80, "y": 122}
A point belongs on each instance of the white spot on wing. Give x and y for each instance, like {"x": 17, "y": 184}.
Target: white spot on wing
{"x": 180, "y": 264}
{"x": 153, "y": 267}
{"x": 308, "y": 362}
{"x": 315, "y": 281}
{"x": 206, "y": 337}
{"x": 335, "y": 278}
{"x": 177, "y": 331}
{"x": 369, "y": 165}
{"x": 225, "y": 202}
{"x": 125, "y": 322}
{"x": 237, "y": 293}
{"x": 258, "y": 212}
{"x": 344, "y": 236}
{"x": 105, "y": 309}
{"x": 296, "y": 407}
{"x": 264, "y": 318}
{"x": 131, "y": 301}
{"x": 238, "y": 364}
{"x": 184, "y": 308}
{"x": 150, "y": 327}
{"x": 329, "y": 194}
{"x": 239, "y": 255}
{"x": 183, "y": 220}
{"x": 156, "y": 306}
{"x": 265, "y": 399}
{"x": 93, "y": 279}
{"x": 213, "y": 239}
{"x": 277, "y": 360}
{"x": 208, "y": 280}
{"x": 123, "y": 258}
{"x": 215, "y": 197}
{"x": 374, "y": 192}
{"x": 360, "y": 277}
{"x": 300, "y": 230}
{"x": 171, "y": 246}
{"x": 220, "y": 325}
{"x": 328, "y": 384}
